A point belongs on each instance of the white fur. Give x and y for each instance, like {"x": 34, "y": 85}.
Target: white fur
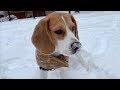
{"x": 64, "y": 46}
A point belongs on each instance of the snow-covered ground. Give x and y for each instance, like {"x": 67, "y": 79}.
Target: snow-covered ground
{"x": 99, "y": 34}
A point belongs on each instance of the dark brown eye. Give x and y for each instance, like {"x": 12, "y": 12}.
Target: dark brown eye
{"x": 59, "y": 31}
{"x": 73, "y": 29}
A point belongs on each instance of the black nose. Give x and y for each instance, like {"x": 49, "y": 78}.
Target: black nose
{"x": 76, "y": 45}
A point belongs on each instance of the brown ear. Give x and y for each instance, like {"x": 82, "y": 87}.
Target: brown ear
{"x": 41, "y": 37}
{"x": 76, "y": 31}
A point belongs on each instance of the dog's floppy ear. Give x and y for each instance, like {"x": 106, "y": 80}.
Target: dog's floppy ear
{"x": 76, "y": 31}
{"x": 41, "y": 37}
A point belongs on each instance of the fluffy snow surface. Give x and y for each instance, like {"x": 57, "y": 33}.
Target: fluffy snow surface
{"x": 99, "y": 57}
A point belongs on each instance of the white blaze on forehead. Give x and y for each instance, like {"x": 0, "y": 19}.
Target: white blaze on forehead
{"x": 65, "y": 23}
{"x": 68, "y": 31}
{"x": 63, "y": 46}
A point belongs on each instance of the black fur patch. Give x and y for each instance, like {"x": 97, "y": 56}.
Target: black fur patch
{"x": 41, "y": 68}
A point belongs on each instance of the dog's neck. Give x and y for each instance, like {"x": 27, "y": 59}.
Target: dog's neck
{"x": 48, "y": 61}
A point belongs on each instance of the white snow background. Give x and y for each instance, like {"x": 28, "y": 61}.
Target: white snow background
{"x": 99, "y": 34}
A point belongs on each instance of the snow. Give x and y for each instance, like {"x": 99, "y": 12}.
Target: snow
{"x": 99, "y": 57}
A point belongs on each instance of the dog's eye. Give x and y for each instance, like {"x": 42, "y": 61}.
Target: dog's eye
{"x": 73, "y": 29}
{"x": 59, "y": 31}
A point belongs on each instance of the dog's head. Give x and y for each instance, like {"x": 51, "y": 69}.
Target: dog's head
{"x": 56, "y": 33}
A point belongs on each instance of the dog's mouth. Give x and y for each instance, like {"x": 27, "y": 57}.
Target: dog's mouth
{"x": 61, "y": 56}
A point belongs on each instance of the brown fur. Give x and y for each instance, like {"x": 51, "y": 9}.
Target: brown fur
{"x": 45, "y": 40}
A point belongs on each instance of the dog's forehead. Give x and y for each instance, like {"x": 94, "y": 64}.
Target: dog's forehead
{"x": 57, "y": 18}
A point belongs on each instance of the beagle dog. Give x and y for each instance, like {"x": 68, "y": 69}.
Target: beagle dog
{"x": 55, "y": 38}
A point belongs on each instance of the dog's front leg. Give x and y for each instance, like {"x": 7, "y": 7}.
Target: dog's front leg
{"x": 49, "y": 74}
{"x": 43, "y": 74}
{"x": 53, "y": 74}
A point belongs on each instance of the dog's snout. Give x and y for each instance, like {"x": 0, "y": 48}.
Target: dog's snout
{"x": 76, "y": 45}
